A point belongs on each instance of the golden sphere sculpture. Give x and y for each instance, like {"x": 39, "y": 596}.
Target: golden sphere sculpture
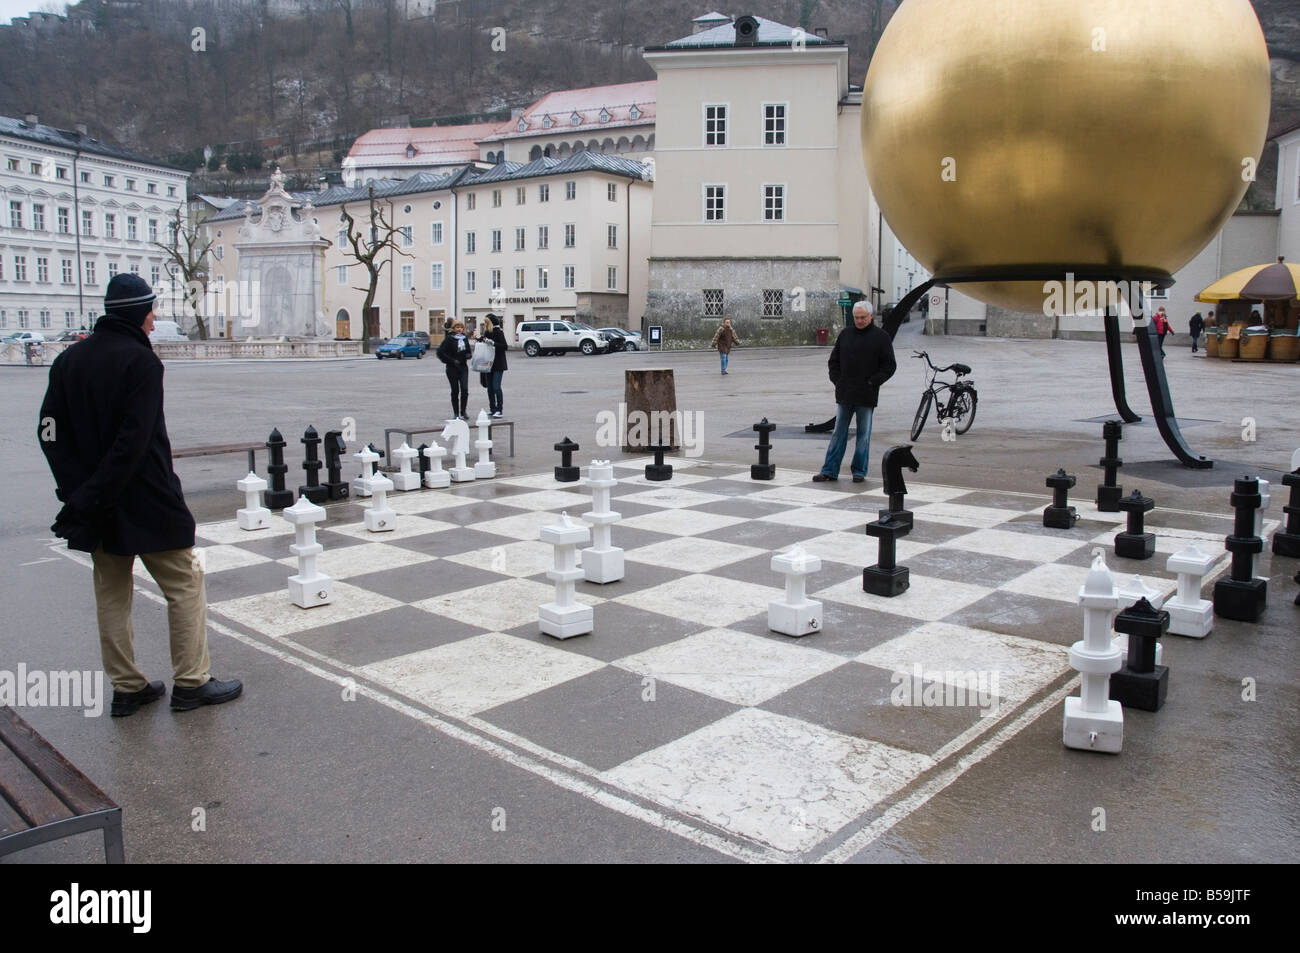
{"x": 1011, "y": 134}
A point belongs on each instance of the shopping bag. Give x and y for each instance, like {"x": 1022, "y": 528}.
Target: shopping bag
{"x": 484, "y": 352}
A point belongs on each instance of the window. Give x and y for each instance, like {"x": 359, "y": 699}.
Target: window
{"x": 65, "y": 270}
{"x": 155, "y": 275}
{"x": 110, "y": 225}
{"x": 471, "y": 283}
{"x": 22, "y": 318}
{"x": 343, "y": 238}
{"x": 519, "y": 279}
{"x": 496, "y": 278}
{"x": 611, "y": 278}
{"x": 45, "y": 319}
{"x": 773, "y": 303}
{"x": 65, "y": 226}
{"x": 543, "y": 237}
{"x": 15, "y": 214}
{"x": 219, "y": 252}
{"x": 153, "y": 229}
{"x": 151, "y": 188}
{"x": 108, "y": 181}
{"x": 131, "y": 234}
{"x": 496, "y": 198}
{"x": 570, "y": 236}
{"x": 90, "y": 273}
{"x": 342, "y": 274}
{"x": 61, "y": 172}
{"x": 611, "y": 192}
{"x": 38, "y": 217}
{"x": 569, "y": 276}
{"x": 135, "y": 269}
{"x": 435, "y": 276}
{"x": 435, "y": 233}
{"x": 69, "y": 318}
{"x": 774, "y": 124}
{"x": 12, "y": 165}
{"x": 496, "y": 239}
{"x": 130, "y": 185}
{"x": 520, "y": 238}
{"x": 34, "y": 168}
{"x": 543, "y": 193}
{"x": 521, "y": 194}
{"x": 469, "y": 201}
{"x": 20, "y": 267}
{"x": 543, "y": 279}
{"x": 4, "y": 319}
{"x": 408, "y": 236}
{"x": 774, "y": 203}
{"x": 471, "y": 243}
{"x": 715, "y": 125}
{"x": 713, "y": 302}
{"x": 570, "y": 190}
{"x": 85, "y": 177}
{"x": 611, "y": 236}
{"x": 112, "y": 269}
{"x": 171, "y": 191}
{"x": 43, "y": 270}
{"x": 715, "y": 203}
{"x": 408, "y": 277}
{"x": 2, "y": 268}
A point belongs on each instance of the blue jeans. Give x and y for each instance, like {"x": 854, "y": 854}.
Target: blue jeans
{"x": 724, "y": 355}
{"x": 840, "y": 440}
{"x": 495, "y": 397}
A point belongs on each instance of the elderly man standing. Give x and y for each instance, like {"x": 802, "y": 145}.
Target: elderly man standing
{"x": 861, "y": 361}
{"x": 103, "y": 434}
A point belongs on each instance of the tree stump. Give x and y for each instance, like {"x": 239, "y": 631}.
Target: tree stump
{"x": 650, "y": 401}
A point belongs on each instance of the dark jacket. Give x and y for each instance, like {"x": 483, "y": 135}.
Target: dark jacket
{"x": 498, "y": 339}
{"x": 448, "y": 354}
{"x": 860, "y": 362}
{"x": 110, "y": 456}
{"x": 1196, "y": 325}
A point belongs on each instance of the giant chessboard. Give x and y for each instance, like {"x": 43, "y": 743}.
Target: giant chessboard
{"x": 682, "y": 708}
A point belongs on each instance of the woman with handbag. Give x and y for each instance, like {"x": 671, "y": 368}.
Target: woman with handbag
{"x": 454, "y": 352}
{"x": 490, "y": 377}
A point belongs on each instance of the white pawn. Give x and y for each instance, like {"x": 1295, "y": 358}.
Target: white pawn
{"x": 602, "y": 562}
{"x": 1189, "y": 614}
{"x": 309, "y": 587}
{"x": 1092, "y": 721}
{"x": 796, "y": 614}
{"x": 359, "y": 485}
{"x": 435, "y": 478}
{"x": 378, "y": 518}
{"x": 254, "y": 515}
{"x": 457, "y": 432}
{"x": 405, "y": 478}
{"x": 485, "y": 469}
{"x": 565, "y": 617}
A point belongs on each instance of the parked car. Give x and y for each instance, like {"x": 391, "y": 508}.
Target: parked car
{"x": 24, "y": 337}
{"x": 557, "y": 337}
{"x": 405, "y": 344}
{"x": 73, "y": 336}
{"x": 421, "y": 336}
{"x": 166, "y": 331}
{"x": 622, "y": 340}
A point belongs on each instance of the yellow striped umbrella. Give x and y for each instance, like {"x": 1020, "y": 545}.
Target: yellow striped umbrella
{"x": 1276, "y": 282}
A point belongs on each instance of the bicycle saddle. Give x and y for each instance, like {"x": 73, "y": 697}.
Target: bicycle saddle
{"x": 961, "y": 369}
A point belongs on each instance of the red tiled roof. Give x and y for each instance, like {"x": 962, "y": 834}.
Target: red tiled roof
{"x": 441, "y": 144}
{"x": 560, "y": 106}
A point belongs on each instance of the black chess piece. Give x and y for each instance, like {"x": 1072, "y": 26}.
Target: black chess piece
{"x": 312, "y": 489}
{"x": 1108, "y": 491}
{"x": 425, "y": 463}
{"x": 1135, "y": 542}
{"x": 1286, "y": 542}
{"x": 1060, "y": 515}
{"x": 335, "y": 485}
{"x": 277, "y": 497}
{"x": 1243, "y": 597}
{"x": 566, "y": 472}
{"x": 1141, "y": 683}
{"x": 1297, "y": 581}
{"x": 763, "y": 470}
{"x": 886, "y": 577}
{"x": 658, "y": 470}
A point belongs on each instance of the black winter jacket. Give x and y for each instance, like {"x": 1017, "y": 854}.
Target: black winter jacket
{"x": 449, "y": 355}
{"x": 860, "y": 362}
{"x": 498, "y": 339}
{"x": 109, "y": 452}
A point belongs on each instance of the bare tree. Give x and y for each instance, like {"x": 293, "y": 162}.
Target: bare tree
{"x": 186, "y": 262}
{"x": 367, "y": 251}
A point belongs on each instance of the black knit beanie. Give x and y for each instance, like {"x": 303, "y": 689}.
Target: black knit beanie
{"x": 129, "y": 296}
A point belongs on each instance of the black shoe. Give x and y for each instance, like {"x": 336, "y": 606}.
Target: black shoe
{"x": 859, "y": 479}
{"x": 127, "y": 703}
{"x": 213, "y": 693}
{"x": 823, "y": 478}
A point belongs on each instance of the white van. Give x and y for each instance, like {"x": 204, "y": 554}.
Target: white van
{"x": 166, "y": 331}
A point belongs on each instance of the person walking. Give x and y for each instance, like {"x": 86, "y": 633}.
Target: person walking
{"x": 103, "y": 434}
{"x": 492, "y": 379}
{"x": 1161, "y": 321}
{"x": 1194, "y": 327}
{"x": 860, "y": 362}
{"x": 724, "y": 339}
{"x": 454, "y": 352}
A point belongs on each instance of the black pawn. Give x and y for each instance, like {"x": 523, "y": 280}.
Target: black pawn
{"x": 566, "y": 472}
{"x": 277, "y": 497}
{"x": 1060, "y": 515}
{"x": 658, "y": 470}
{"x": 763, "y": 470}
{"x": 886, "y": 578}
{"x": 1135, "y": 542}
{"x": 335, "y": 486}
{"x": 1108, "y": 492}
{"x": 1141, "y": 683}
{"x": 1242, "y": 597}
{"x": 311, "y": 465}
{"x": 1286, "y": 542}
{"x": 425, "y": 463}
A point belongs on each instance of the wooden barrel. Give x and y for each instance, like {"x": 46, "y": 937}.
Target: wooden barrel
{"x": 1284, "y": 346}
{"x": 1212, "y": 342}
{"x": 1254, "y": 345}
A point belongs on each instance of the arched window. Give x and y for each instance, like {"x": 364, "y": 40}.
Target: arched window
{"x": 534, "y": 153}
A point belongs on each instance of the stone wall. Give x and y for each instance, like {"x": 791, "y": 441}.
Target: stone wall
{"x": 809, "y": 286}
{"x": 1001, "y": 323}
{"x": 602, "y": 310}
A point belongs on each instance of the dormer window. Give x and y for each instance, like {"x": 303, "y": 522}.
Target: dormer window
{"x": 410, "y": 151}
{"x": 522, "y": 126}
{"x": 548, "y": 122}
{"x": 634, "y": 113}
{"x": 575, "y": 119}
{"x": 604, "y": 115}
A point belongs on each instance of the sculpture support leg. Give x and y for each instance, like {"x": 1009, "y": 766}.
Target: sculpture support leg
{"x": 1116, "y": 359}
{"x": 1162, "y": 404}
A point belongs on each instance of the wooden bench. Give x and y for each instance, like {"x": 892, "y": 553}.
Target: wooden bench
{"x": 219, "y": 448}
{"x": 44, "y": 798}
{"x": 410, "y": 432}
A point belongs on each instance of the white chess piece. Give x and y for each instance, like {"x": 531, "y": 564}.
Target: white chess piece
{"x": 485, "y": 469}
{"x": 378, "y": 518}
{"x": 405, "y": 478}
{"x": 435, "y": 478}
{"x": 1092, "y": 721}
{"x": 602, "y": 562}
{"x": 1266, "y": 498}
{"x": 254, "y": 515}
{"x": 565, "y": 617}
{"x": 796, "y": 614}
{"x": 457, "y": 432}
{"x": 309, "y": 587}
{"x": 1189, "y": 614}
{"x": 359, "y": 485}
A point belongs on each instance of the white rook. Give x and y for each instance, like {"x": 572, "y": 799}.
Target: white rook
{"x": 378, "y": 518}
{"x": 1092, "y": 721}
{"x": 485, "y": 469}
{"x": 405, "y": 478}
{"x": 435, "y": 478}
{"x": 602, "y": 562}
{"x": 1131, "y": 590}
{"x": 1189, "y": 614}
{"x": 457, "y": 433}
{"x": 565, "y": 617}
{"x": 796, "y": 614}
{"x": 310, "y": 587}
{"x": 254, "y": 515}
{"x": 1259, "y": 526}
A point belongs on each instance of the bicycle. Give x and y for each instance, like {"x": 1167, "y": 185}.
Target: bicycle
{"x": 961, "y": 400}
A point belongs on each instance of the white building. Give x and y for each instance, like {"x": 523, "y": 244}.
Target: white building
{"x": 74, "y": 211}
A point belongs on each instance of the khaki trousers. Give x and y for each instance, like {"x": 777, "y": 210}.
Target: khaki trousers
{"x": 178, "y": 575}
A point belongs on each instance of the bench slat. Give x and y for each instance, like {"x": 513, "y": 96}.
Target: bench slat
{"x": 71, "y": 786}
{"x": 215, "y": 449}
{"x": 24, "y": 791}
{"x": 11, "y": 822}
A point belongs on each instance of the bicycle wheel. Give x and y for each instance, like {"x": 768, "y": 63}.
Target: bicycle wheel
{"x": 964, "y": 409}
{"x": 922, "y": 411}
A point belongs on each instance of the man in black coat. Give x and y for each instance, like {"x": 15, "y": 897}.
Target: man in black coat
{"x": 861, "y": 361}
{"x": 105, "y": 439}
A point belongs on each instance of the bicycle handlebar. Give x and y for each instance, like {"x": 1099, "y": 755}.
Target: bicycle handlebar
{"x": 960, "y": 369}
